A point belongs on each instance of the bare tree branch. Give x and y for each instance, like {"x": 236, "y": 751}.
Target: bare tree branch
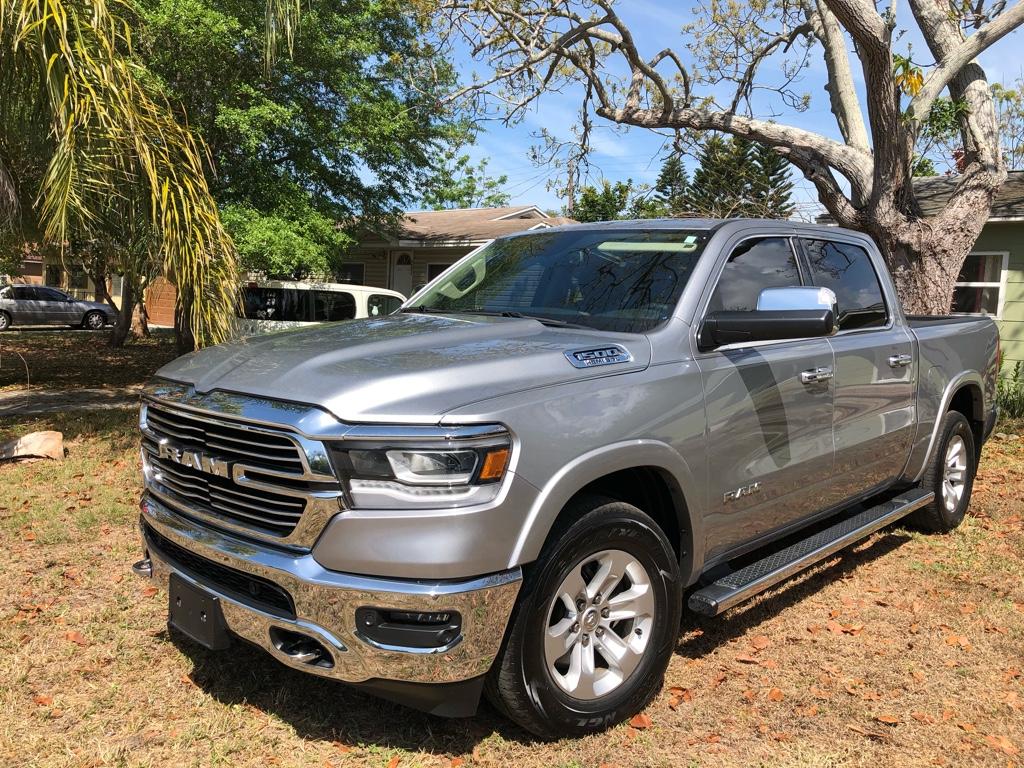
{"x": 842, "y": 93}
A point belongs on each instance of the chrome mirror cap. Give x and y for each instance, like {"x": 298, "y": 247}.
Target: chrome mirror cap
{"x": 799, "y": 298}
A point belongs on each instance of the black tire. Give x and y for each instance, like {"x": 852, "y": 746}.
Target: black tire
{"x": 5, "y": 321}
{"x": 937, "y": 517}
{"x": 94, "y": 320}
{"x": 520, "y": 684}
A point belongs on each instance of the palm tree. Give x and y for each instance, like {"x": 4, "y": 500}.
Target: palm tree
{"x": 81, "y": 134}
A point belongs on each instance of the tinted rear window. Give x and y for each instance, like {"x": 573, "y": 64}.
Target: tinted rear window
{"x": 330, "y": 306}
{"x": 278, "y": 304}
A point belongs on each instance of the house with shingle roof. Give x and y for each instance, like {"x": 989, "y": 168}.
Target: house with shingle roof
{"x": 428, "y": 242}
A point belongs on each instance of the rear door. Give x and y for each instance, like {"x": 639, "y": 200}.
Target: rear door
{"x": 875, "y": 373}
{"x": 769, "y": 434}
{"x": 28, "y": 309}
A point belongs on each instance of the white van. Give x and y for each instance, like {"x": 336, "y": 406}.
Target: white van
{"x": 276, "y": 305}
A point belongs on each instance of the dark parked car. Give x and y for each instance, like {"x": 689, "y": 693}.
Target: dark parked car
{"x": 40, "y": 305}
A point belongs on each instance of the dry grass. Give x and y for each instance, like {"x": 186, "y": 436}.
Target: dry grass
{"x": 904, "y": 652}
{"x": 68, "y": 359}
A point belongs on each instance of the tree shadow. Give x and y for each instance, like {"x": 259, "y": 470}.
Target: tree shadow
{"x": 325, "y": 710}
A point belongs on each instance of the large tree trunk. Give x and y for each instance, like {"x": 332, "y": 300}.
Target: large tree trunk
{"x": 925, "y": 255}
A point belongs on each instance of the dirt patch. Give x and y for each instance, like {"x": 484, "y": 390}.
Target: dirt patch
{"x": 903, "y": 652}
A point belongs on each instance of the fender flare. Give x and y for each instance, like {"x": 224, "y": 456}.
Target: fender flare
{"x": 958, "y": 382}
{"x": 595, "y": 464}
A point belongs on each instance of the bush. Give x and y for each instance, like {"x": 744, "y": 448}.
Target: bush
{"x": 1010, "y": 393}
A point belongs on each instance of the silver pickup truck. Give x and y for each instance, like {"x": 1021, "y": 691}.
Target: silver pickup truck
{"x": 518, "y": 482}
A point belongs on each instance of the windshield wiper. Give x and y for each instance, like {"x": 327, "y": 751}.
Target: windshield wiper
{"x": 550, "y": 321}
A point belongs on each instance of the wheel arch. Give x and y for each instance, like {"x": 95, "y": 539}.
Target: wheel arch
{"x": 965, "y": 394}
{"x": 646, "y": 473}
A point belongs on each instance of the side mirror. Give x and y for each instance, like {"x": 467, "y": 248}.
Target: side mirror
{"x": 781, "y": 314}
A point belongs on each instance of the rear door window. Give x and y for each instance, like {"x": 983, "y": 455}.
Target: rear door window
{"x": 847, "y": 270}
{"x": 755, "y": 264}
{"x": 277, "y": 304}
{"x": 331, "y": 306}
{"x": 378, "y": 304}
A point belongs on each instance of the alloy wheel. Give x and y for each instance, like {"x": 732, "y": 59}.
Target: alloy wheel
{"x": 599, "y": 624}
{"x": 954, "y": 474}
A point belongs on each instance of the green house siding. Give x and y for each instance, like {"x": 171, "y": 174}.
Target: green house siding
{"x": 1008, "y": 236}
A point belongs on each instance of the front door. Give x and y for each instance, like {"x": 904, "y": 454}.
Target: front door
{"x": 769, "y": 433}
{"x": 401, "y": 273}
{"x": 875, "y": 377}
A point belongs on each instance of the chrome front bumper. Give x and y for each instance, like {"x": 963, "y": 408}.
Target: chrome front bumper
{"x": 326, "y": 601}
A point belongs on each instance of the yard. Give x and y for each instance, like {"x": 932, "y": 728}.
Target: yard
{"x": 70, "y": 359}
{"x": 904, "y": 652}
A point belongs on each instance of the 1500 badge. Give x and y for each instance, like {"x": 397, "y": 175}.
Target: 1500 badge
{"x": 606, "y": 355}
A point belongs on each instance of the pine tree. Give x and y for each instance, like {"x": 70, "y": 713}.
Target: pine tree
{"x": 672, "y": 187}
{"x": 736, "y": 177}
{"x": 772, "y": 187}
{"x": 720, "y": 183}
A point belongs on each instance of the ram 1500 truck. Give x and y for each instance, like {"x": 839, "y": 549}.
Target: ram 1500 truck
{"x": 518, "y": 482}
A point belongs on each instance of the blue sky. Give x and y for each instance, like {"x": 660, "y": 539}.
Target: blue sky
{"x": 634, "y": 153}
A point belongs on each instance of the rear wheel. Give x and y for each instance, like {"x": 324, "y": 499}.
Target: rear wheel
{"x": 93, "y": 321}
{"x": 594, "y": 627}
{"x": 950, "y": 475}
{"x": 5, "y": 321}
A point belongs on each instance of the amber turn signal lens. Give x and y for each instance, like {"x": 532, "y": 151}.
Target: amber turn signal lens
{"x": 494, "y": 465}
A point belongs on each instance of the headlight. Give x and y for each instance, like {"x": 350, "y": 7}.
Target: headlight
{"x": 438, "y": 474}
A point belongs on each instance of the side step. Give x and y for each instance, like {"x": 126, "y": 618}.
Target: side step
{"x": 778, "y": 566}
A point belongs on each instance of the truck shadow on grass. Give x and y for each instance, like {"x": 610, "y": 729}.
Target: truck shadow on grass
{"x": 719, "y": 630}
{"x": 324, "y": 710}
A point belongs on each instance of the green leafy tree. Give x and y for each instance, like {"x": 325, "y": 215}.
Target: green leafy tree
{"x": 608, "y": 202}
{"x": 89, "y": 152}
{"x": 458, "y": 183}
{"x": 345, "y": 128}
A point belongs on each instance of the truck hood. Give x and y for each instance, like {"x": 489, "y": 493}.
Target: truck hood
{"x": 408, "y": 368}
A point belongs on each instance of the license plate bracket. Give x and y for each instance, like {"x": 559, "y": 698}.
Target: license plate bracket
{"x": 196, "y": 614}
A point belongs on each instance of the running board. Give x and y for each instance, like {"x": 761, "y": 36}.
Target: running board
{"x": 778, "y": 566}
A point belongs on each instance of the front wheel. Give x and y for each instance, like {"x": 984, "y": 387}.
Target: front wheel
{"x": 595, "y": 626}
{"x": 5, "y": 321}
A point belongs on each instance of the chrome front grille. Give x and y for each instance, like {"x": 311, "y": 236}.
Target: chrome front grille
{"x": 254, "y": 448}
{"x": 260, "y": 483}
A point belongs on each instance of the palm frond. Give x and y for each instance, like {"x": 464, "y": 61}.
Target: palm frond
{"x": 110, "y": 139}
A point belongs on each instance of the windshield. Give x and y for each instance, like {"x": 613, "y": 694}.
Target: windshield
{"x": 613, "y": 280}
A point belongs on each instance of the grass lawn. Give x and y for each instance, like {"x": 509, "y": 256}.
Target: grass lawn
{"x": 69, "y": 359}
{"x": 906, "y": 651}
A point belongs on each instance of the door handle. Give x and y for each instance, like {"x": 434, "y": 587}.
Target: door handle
{"x": 900, "y": 361}
{"x": 815, "y": 375}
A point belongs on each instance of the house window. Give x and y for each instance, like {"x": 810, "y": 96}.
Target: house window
{"x": 54, "y": 275}
{"x": 353, "y": 273}
{"x": 981, "y": 286}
